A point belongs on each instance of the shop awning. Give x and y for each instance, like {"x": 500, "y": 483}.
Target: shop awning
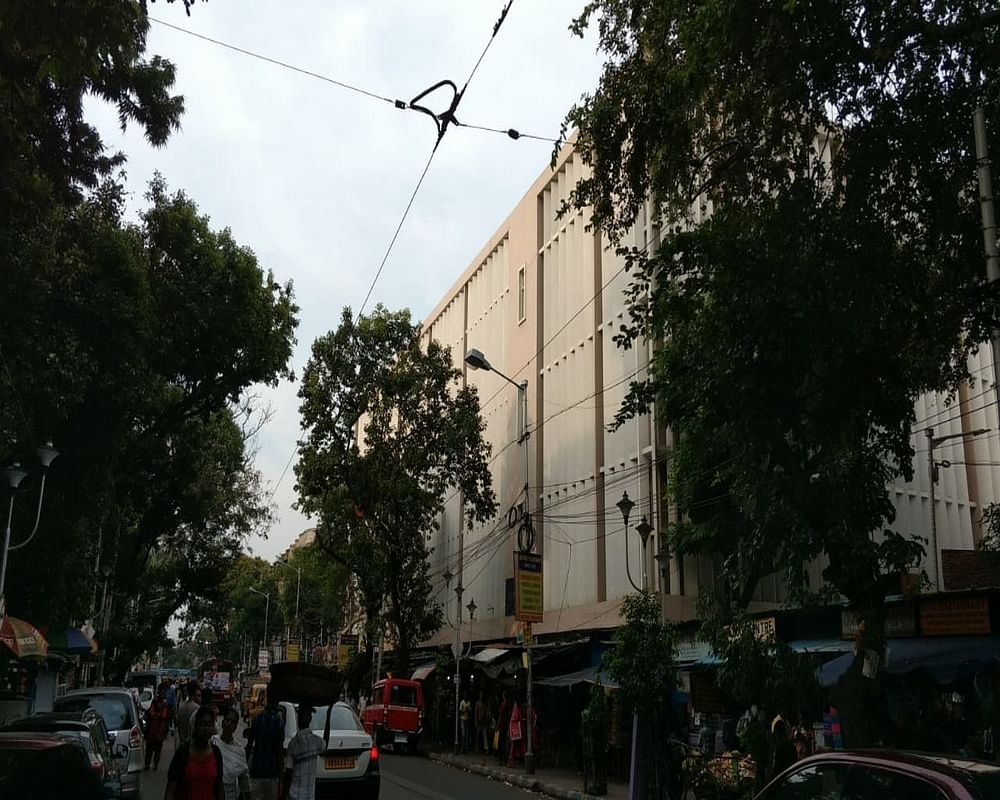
{"x": 423, "y": 672}
{"x": 22, "y": 638}
{"x": 944, "y": 658}
{"x": 69, "y": 640}
{"x": 821, "y": 646}
{"x": 490, "y": 654}
{"x": 586, "y": 675}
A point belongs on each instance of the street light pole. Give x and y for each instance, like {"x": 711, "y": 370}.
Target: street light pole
{"x": 267, "y": 608}
{"x": 14, "y": 475}
{"x": 476, "y": 360}
{"x": 933, "y": 442}
{"x": 298, "y": 592}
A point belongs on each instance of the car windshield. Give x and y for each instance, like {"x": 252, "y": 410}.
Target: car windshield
{"x": 342, "y": 719}
{"x": 403, "y": 696}
{"x": 115, "y": 710}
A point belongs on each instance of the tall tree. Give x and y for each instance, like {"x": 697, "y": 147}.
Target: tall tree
{"x": 838, "y": 276}
{"x": 388, "y": 431}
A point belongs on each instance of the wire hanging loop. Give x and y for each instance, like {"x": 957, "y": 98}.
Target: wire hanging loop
{"x": 442, "y": 120}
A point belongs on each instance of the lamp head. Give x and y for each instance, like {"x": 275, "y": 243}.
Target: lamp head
{"x": 475, "y": 359}
{"x": 472, "y": 608}
{"x": 644, "y": 529}
{"x": 14, "y": 475}
{"x": 47, "y": 454}
{"x": 625, "y": 505}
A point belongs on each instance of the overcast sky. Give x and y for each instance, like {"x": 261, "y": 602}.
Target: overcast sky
{"x": 314, "y": 178}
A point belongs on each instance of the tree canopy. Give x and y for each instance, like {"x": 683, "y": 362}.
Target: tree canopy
{"x": 820, "y": 263}
{"x": 388, "y": 431}
{"x": 112, "y": 341}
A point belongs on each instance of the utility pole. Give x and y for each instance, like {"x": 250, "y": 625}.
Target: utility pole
{"x": 989, "y": 229}
{"x": 933, "y": 442}
{"x": 458, "y": 663}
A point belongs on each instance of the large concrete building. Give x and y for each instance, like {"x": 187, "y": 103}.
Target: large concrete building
{"x": 543, "y": 301}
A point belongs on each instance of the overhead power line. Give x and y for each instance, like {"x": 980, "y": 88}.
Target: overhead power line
{"x": 284, "y": 64}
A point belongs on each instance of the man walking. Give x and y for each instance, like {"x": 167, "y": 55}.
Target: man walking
{"x": 266, "y": 751}
{"x": 186, "y": 710}
{"x": 482, "y": 732}
{"x": 303, "y": 751}
{"x": 464, "y": 709}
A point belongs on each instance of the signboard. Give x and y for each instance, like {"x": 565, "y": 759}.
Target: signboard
{"x": 764, "y": 630}
{"x": 293, "y": 651}
{"x": 899, "y": 623}
{"x": 529, "y": 601}
{"x": 347, "y": 642}
{"x": 263, "y": 662}
{"x": 216, "y": 681}
{"x": 958, "y": 616}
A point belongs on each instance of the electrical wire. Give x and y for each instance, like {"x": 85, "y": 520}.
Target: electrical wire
{"x": 399, "y": 227}
{"x": 510, "y": 133}
{"x": 284, "y": 64}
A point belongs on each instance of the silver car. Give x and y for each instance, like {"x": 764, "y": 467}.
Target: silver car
{"x": 121, "y": 716}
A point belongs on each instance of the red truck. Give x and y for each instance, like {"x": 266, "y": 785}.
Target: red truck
{"x": 395, "y": 713}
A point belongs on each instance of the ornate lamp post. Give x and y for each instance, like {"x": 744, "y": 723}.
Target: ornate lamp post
{"x": 14, "y": 475}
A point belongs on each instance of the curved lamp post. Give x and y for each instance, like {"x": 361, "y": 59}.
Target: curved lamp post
{"x": 14, "y": 475}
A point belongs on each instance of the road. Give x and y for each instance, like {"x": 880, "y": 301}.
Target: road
{"x": 403, "y": 777}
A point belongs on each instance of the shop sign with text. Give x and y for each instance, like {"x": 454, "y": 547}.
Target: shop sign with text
{"x": 529, "y": 600}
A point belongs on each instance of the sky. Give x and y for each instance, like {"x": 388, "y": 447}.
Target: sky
{"x": 314, "y": 178}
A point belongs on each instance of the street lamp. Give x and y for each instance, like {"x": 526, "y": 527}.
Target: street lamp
{"x": 933, "y": 442}
{"x": 298, "y": 591}
{"x": 267, "y": 608}
{"x": 472, "y": 610}
{"x": 14, "y": 475}
{"x": 625, "y": 505}
{"x": 458, "y": 662}
{"x": 476, "y": 360}
{"x": 644, "y": 529}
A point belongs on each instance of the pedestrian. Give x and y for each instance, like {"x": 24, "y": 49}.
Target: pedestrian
{"x": 266, "y": 750}
{"x": 157, "y": 720}
{"x": 235, "y": 772}
{"x": 186, "y": 712}
{"x": 196, "y": 769}
{"x": 303, "y": 751}
{"x": 464, "y": 709}
{"x": 503, "y": 721}
{"x": 782, "y": 748}
{"x": 170, "y": 697}
{"x": 482, "y": 732}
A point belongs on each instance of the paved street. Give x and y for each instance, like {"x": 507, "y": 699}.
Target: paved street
{"x": 402, "y": 777}
{"x": 407, "y": 776}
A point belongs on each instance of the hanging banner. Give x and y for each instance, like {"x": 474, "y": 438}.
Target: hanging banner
{"x": 293, "y": 651}
{"x": 262, "y": 660}
{"x": 346, "y": 644}
{"x": 529, "y": 601}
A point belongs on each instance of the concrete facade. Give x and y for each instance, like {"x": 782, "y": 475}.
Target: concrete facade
{"x": 543, "y": 301}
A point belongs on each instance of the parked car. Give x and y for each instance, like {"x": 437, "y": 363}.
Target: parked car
{"x": 395, "y": 713}
{"x": 885, "y": 775}
{"x": 121, "y": 715}
{"x": 88, "y": 728}
{"x": 48, "y": 766}
{"x": 350, "y": 765}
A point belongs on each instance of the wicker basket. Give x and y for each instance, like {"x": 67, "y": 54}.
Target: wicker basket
{"x": 298, "y": 682}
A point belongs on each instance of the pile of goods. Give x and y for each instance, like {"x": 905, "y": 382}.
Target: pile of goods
{"x": 299, "y": 682}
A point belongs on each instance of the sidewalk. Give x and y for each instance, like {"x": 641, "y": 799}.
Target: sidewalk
{"x": 563, "y": 784}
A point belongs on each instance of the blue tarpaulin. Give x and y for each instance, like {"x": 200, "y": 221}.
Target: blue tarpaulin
{"x": 946, "y": 658}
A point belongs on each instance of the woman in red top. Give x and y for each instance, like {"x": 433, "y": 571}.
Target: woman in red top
{"x": 196, "y": 769}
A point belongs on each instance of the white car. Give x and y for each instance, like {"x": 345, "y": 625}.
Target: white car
{"x": 350, "y": 765}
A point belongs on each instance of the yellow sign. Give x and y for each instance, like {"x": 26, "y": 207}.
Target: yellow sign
{"x": 293, "y": 651}
{"x": 529, "y": 601}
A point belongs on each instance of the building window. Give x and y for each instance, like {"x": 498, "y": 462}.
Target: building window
{"x": 522, "y": 311}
